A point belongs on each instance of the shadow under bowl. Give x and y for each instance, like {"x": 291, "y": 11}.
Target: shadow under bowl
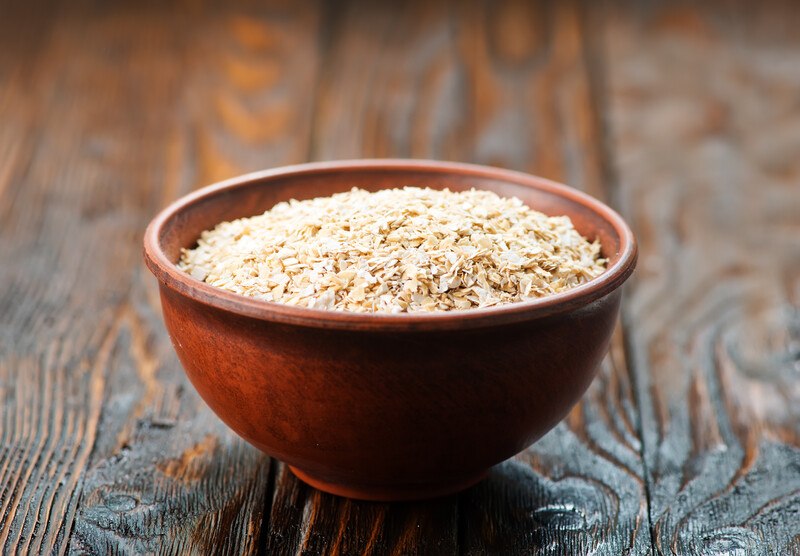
{"x": 379, "y": 406}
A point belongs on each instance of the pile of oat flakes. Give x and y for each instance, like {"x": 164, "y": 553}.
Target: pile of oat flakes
{"x": 396, "y": 250}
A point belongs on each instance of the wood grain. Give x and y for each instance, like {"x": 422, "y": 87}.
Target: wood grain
{"x": 369, "y": 86}
{"x": 684, "y": 116}
{"x": 580, "y": 489}
{"x": 113, "y": 111}
{"x": 706, "y": 128}
{"x": 212, "y": 492}
{"x": 449, "y": 81}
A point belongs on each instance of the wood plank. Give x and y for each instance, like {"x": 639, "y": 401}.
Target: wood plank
{"x": 530, "y": 103}
{"x": 383, "y": 65}
{"x": 580, "y": 489}
{"x": 104, "y": 446}
{"x": 236, "y": 113}
{"x": 506, "y": 84}
{"x": 706, "y": 127}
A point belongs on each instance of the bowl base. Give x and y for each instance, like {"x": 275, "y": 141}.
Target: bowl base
{"x": 387, "y": 493}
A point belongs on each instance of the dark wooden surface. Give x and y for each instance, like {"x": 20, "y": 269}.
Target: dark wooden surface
{"x": 685, "y": 117}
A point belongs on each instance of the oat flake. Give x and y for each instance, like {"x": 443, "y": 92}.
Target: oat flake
{"x": 395, "y": 251}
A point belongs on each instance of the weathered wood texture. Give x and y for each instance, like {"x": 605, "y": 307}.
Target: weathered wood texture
{"x": 504, "y": 83}
{"x": 685, "y": 117}
{"x": 705, "y": 113}
{"x": 110, "y": 111}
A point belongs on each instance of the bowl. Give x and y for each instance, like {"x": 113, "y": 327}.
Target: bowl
{"x": 382, "y": 406}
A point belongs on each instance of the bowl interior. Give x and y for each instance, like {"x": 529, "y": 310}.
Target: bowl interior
{"x": 255, "y": 194}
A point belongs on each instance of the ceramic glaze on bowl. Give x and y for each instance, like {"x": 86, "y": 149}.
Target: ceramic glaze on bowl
{"x": 382, "y": 406}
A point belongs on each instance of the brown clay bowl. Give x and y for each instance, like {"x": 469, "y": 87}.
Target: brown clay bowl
{"x": 378, "y": 406}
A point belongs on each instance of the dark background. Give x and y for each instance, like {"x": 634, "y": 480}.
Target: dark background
{"x": 684, "y": 116}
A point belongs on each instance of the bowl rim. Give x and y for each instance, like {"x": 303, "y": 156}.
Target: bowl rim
{"x": 184, "y": 284}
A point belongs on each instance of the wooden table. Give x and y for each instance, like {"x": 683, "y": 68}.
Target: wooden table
{"x": 686, "y": 118}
